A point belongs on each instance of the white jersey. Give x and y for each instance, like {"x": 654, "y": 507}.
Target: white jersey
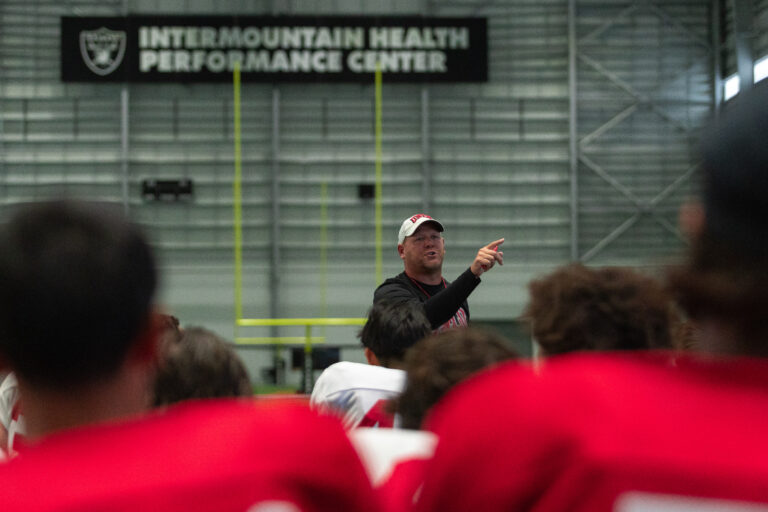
{"x": 358, "y": 393}
{"x": 10, "y": 417}
{"x": 381, "y": 449}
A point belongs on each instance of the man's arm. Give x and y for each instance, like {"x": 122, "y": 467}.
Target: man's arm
{"x": 438, "y": 308}
{"x": 442, "y": 306}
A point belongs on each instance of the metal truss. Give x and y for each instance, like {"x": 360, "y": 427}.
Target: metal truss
{"x": 643, "y": 207}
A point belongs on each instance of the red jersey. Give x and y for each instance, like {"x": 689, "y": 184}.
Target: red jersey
{"x": 203, "y": 456}
{"x": 603, "y": 432}
{"x": 401, "y": 489}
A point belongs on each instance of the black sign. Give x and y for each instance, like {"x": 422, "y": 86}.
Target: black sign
{"x": 273, "y": 49}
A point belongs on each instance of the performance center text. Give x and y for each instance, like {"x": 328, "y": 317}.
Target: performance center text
{"x": 179, "y": 49}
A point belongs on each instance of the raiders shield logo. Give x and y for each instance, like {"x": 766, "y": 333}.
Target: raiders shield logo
{"x": 102, "y": 49}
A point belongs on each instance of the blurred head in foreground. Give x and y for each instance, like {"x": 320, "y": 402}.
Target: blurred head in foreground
{"x": 77, "y": 282}
{"x": 724, "y": 283}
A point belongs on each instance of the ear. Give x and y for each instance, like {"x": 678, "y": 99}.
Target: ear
{"x": 401, "y": 251}
{"x": 371, "y": 357}
{"x": 147, "y": 344}
{"x": 691, "y": 219}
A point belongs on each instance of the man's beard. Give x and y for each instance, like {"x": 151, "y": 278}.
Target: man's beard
{"x": 433, "y": 263}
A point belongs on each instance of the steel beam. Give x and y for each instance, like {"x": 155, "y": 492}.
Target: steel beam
{"x": 274, "y": 267}
{"x": 124, "y": 146}
{"x": 3, "y": 177}
{"x": 274, "y": 275}
{"x": 661, "y": 13}
{"x": 643, "y": 207}
{"x": 608, "y": 24}
{"x": 608, "y": 125}
{"x": 743, "y": 14}
{"x": 613, "y": 235}
{"x": 573, "y": 134}
{"x": 717, "y": 58}
{"x": 611, "y": 180}
{"x": 426, "y": 168}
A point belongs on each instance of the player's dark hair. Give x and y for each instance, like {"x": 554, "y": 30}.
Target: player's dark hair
{"x": 439, "y": 362}
{"x": 76, "y": 288}
{"x": 391, "y": 328}
{"x": 201, "y": 365}
{"x": 611, "y": 308}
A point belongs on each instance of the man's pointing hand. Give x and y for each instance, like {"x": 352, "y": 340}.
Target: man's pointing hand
{"x": 486, "y": 257}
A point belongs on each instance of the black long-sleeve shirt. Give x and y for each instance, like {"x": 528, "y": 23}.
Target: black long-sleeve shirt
{"x": 443, "y": 303}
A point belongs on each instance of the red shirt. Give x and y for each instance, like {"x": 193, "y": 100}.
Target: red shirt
{"x": 401, "y": 489}
{"x": 202, "y": 456}
{"x": 589, "y": 431}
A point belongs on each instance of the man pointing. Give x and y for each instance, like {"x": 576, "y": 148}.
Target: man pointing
{"x": 422, "y": 248}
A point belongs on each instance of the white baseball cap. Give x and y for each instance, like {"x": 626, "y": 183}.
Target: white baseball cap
{"x": 411, "y": 224}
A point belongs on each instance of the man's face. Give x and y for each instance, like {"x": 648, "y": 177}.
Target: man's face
{"x": 423, "y": 251}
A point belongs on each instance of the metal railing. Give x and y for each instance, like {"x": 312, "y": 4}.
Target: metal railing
{"x": 308, "y": 339}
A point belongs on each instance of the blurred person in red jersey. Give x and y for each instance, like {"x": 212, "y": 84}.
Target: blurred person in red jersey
{"x": 636, "y": 432}
{"x": 433, "y": 366}
{"x": 77, "y": 327}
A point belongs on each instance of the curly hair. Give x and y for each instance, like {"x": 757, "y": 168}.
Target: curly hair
{"x": 612, "y": 308}
{"x": 437, "y": 363}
